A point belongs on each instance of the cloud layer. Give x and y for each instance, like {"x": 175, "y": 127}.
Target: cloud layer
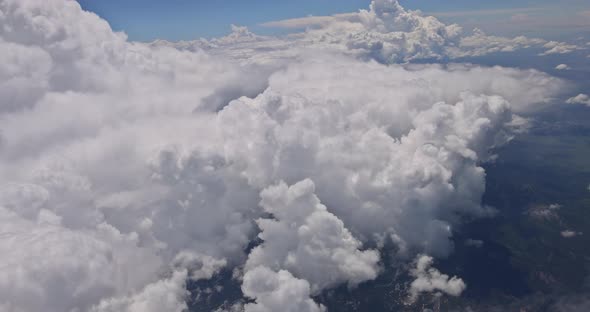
{"x": 127, "y": 169}
{"x": 386, "y": 32}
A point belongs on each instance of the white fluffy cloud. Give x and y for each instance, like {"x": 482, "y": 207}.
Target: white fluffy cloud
{"x": 579, "y": 99}
{"x": 164, "y": 295}
{"x": 390, "y": 138}
{"x": 556, "y": 47}
{"x": 277, "y": 291}
{"x": 429, "y": 279}
{"x": 126, "y": 169}
{"x": 479, "y": 43}
{"x": 386, "y": 32}
{"x": 308, "y": 241}
{"x": 87, "y": 265}
{"x": 562, "y": 67}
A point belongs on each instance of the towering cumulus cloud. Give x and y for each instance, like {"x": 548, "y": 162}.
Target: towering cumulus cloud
{"x": 308, "y": 240}
{"x": 128, "y": 169}
{"x": 386, "y": 32}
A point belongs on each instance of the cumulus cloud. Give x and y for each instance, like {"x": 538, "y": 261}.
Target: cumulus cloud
{"x": 562, "y": 67}
{"x": 308, "y": 241}
{"x": 199, "y": 266}
{"x": 386, "y": 32}
{"x": 569, "y": 233}
{"x": 164, "y": 295}
{"x": 87, "y": 265}
{"x": 277, "y": 291}
{"x": 555, "y": 47}
{"x": 429, "y": 279}
{"x": 479, "y": 43}
{"x": 129, "y": 168}
{"x": 579, "y": 99}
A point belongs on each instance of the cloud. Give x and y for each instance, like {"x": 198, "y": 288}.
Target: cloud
{"x": 569, "y": 234}
{"x": 142, "y": 166}
{"x": 573, "y": 303}
{"x": 308, "y": 21}
{"x": 562, "y": 67}
{"x": 479, "y": 43}
{"x": 164, "y": 295}
{"x": 579, "y": 99}
{"x": 429, "y": 279}
{"x": 87, "y": 265}
{"x": 513, "y": 20}
{"x": 386, "y": 32}
{"x": 277, "y": 291}
{"x": 199, "y": 266}
{"x": 474, "y": 243}
{"x": 555, "y": 47}
{"x": 545, "y": 212}
{"x": 308, "y": 241}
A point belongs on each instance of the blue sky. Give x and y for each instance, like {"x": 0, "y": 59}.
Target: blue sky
{"x": 146, "y": 20}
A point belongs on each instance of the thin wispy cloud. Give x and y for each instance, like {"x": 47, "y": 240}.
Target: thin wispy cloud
{"x": 486, "y": 12}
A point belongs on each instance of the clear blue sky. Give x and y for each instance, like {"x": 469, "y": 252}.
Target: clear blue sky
{"x": 189, "y": 19}
{"x": 146, "y": 20}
